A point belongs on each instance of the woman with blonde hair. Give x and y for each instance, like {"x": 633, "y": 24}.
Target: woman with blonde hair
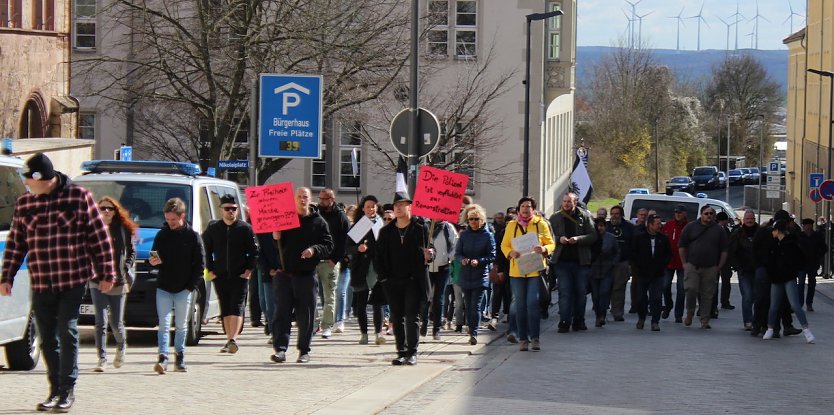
{"x": 475, "y": 250}
{"x": 122, "y": 234}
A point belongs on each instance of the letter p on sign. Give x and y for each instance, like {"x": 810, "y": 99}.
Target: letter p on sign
{"x": 290, "y": 99}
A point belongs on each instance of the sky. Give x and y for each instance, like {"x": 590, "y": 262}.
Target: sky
{"x": 604, "y": 22}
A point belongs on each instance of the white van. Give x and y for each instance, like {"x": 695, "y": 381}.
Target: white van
{"x": 665, "y": 206}
{"x": 18, "y": 334}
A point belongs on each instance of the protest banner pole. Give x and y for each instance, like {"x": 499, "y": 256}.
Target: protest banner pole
{"x": 430, "y": 243}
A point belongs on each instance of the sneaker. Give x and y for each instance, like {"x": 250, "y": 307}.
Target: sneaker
{"x": 380, "y": 339}
{"x": 326, "y": 333}
{"x": 225, "y": 348}
{"x": 728, "y": 306}
{"x": 493, "y": 324}
{"x": 233, "y": 347}
{"x": 768, "y": 334}
{"x": 523, "y": 346}
{"x": 536, "y": 344}
{"x": 511, "y": 338}
{"x": 279, "y": 357}
{"x": 305, "y": 358}
{"x": 436, "y": 336}
{"x": 809, "y": 308}
{"x": 564, "y": 326}
{"x": 473, "y": 340}
{"x": 64, "y": 402}
{"x": 809, "y": 337}
{"x": 688, "y": 320}
{"x": 655, "y": 326}
{"x": 790, "y": 331}
{"x": 748, "y": 326}
{"x": 179, "y": 366}
{"x": 120, "y": 357}
{"x": 340, "y": 327}
{"x": 270, "y": 341}
{"x": 448, "y": 325}
{"x": 102, "y": 362}
{"x": 257, "y": 323}
{"x": 705, "y": 325}
{"x": 459, "y": 329}
{"x": 48, "y": 404}
{"x": 641, "y": 324}
{"x": 411, "y": 360}
{"x": 363, "y": 339}
{"x": 161, "y": 365}
{"x": 619, "y": 318}
{"x": 399, "y": 361}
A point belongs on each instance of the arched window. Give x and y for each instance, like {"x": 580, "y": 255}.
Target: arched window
{"x": 33, "y": 120}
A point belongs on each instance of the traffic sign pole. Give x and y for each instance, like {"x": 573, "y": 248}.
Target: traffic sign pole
{"x": 413, "y": 143}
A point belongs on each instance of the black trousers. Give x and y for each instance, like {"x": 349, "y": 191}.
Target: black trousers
{"x": 649, "y": 297}
{"x": 254, "y": 298}
{"x": 56, "y": 316}
{"x": 501, "y": 294}
{"x": 404, "y": 300}
{"x": 761, "y": 306}
{"x": 294, "y": 294}
{"x": 360, "y": 301}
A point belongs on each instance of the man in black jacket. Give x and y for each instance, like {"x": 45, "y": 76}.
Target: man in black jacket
{"x": 230, "y": 260}
{"x": 295, "y": 285}
{"x": 178, "y": 253}
{"x": 651, "y": 252}
{"x": 328, "y": 269}
{"x": 813, "y": 246}
{"x": 762, "y": 244}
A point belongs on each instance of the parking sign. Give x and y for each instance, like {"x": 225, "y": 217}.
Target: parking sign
{"x": 816, "y": 179}
{"x": 290, "y": 124}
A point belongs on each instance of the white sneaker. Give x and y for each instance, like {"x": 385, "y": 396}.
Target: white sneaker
{"x": 120, "y": 358}
{"x": 326, "y": 333}
{"x": 340, "y": 327}
{"x": 768, "y": 334}
{"x": 809, "y": 337}
{"x": 380, "y": 339}
{"x": 493, "y": 324}
{"x": 102, "y": 362}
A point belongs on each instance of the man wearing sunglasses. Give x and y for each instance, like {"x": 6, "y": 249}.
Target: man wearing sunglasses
{"x": 230, "y": 258}
{"x": 703, "y": 250}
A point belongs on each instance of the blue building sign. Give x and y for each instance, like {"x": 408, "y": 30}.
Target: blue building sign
{"x": 233, "y": 164}
{"x": 290, "y": 124}
{"x": 126, "y": 153}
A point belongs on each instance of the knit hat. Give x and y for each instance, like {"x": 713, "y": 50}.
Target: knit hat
{"x": 39, "y": 167}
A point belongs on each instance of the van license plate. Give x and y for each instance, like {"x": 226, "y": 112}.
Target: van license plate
{"x": 88, "y": 309}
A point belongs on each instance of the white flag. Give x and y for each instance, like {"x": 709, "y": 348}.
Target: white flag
{"x": 581, "y": 181}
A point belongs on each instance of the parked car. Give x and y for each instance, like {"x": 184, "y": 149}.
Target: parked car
{"x": 681, "y": 183}
{"x": 639, "y": 191}
{"x": 18, "y": 334}
{"x": 705, "y": 177}
{"x": 736, "y": 177}
{"x": 142, "y": 187}
{"x": 665, "y": 205}
{"x": 722, "y": 180}
{"x": 747, "y": 176}
{"x": 755, "y": 173}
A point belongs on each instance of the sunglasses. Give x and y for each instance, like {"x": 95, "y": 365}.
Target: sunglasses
{"x": 107, "y": 208}
{"x": 708, "y": 213}
{"x": 474, "y": 219}
{"x": 230, "y": 208}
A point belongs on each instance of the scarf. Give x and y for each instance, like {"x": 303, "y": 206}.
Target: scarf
{"x": 524, "y": 221}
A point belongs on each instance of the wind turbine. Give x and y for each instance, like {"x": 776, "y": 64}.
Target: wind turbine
{"x": 700, "y": 19}
{"x": 750, "y": 35}
{"x": 629, "y": 28}
{"x": 680, "y": 22}
{"x": 640, "y": 28}
{"x": 790, "y": 17}
{"x": 737, "y": 15}
{"x": 756, "y": 23}
{"x": 632, "y": 19}
{"x": 728, "y": 30}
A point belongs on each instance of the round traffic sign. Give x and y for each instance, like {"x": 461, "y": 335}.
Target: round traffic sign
{"x": 428, "y": 132}
{"x": 827, "y": 190}
{"x": 816, "y": 197}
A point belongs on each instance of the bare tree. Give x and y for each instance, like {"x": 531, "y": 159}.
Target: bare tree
{"x": 184, "y": 69}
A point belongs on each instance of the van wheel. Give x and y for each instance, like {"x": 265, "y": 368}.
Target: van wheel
{"x": 24, "y": 353}
{"x": 195, "y": 321}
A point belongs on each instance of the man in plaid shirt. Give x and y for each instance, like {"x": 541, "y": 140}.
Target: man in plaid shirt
{"x": 59, "y": 227}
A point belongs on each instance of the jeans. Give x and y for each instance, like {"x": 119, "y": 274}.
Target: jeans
{"x": 56, "y": 317}
{"x": 294, "y": 294}
{"x": 343, "y": 295}
{"x": 116, "y": 304}
{"x": 761, "y": 308}
{"x": 621, "y": 273}
{"x": 178, "y": 302}
{"x": 460, "y": 312}
{"x": 439, "y": 280}
{"x": 473, "y": 298}
{"x": 573, "y": 289}
{"x": 812, "y": 287}
{"x": 790, "y": 289}
{"x": 649, "y": 293}
{"x": 328, "y": 276}
{"x": 526, "y": 306}
{"x": 404, "y": 298}
{"x": 723, "y": 288}
{"x": 680, "y": 290}
{"x": 601, "y": 293}
{"x": 265, "y": 297}
{"x": 746, "y": 279}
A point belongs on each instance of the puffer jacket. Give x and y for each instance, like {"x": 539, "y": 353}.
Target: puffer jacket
{"x": 475, "y": 244}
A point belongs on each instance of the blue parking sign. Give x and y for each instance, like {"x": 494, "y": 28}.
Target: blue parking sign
{"x": 290, "y": 116}
{"x": 126, "y": 153}
{"x": 816, "y": 180}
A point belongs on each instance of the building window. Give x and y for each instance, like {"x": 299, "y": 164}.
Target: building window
{"x": 554, "y": 33}
{"x": 318, "y": 179}
{"x": 43, "y": 14}
{"x": 87, "y": 125}
{"x": 350, "y": 147}
{"x": 11, "y": 13}
{"x": 438, "y": 36}
{"x": 85, "y": 24}
{"x": 466, "y": 20}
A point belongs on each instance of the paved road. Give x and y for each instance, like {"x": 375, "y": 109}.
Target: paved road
{"x": 736, "y": 195}
{"x": 621, "y": 370}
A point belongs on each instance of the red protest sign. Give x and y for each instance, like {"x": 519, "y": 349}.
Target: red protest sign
{"x": 439, "y": 194}
{"x": 272, "y": 207}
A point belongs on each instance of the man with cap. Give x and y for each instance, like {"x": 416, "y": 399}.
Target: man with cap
{"x": 60, "y": 231}
{"x": 703, "y": 250}
{"x": 673, "y": 229}
{"x": 230, "y": 259}
{"x": 402, "y": 259}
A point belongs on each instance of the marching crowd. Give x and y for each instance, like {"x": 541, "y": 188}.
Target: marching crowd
{"x": 415, "y": 274}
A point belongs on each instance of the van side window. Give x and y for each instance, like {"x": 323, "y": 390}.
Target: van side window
{"x": 11, "y": 187}
{"x": 204, "y": 206}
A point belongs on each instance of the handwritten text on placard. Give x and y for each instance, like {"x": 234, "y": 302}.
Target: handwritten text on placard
{"x": 439, "y": 194}
{"x": 272, "y": 207}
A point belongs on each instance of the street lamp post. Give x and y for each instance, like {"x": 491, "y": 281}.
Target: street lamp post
{"x": 761, "y": 151}
{"x": 830, "y": 76}
{"x": 526, "y": 164}
{"x": 727, "y": 166}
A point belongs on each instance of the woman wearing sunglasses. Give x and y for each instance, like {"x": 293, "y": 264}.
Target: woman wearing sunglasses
{"x": 122, "y": 234}
{"x": 475, "y": 250}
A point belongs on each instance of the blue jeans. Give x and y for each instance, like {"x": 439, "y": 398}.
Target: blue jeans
{"x": 790, "y": 288}
{"x": 526, "y": 306}
{"x": 56, "y": 317}
{"x": 812, "y": 287}
{"x": 343, "y": 295}
{"x": 265, "y": 296}
{"x": 473, "y": 298}
{"x": 680, "y": 290}
{"x": 116, "y": 304}
{"x": 439, "y": 280}
{"x": 601, "y": 293}
{"x": 573, "y": 288}
{"x": 746, "y": 279}
{"x": 178, "y": 302}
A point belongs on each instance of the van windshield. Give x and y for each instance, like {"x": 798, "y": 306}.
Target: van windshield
{"x": 704, "y": 171}
{"x": 144, "y": 200}
{"x": 664, "y": 208}
{"x": 11, "y": 187}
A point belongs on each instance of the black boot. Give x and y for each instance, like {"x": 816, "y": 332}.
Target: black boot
{"x": 161, "y": 365}
{"x": 64, "y": 402}
{"x": 564, "y": 326}
{"x": 49, "y": 403}
{"x": 179, "y": 366}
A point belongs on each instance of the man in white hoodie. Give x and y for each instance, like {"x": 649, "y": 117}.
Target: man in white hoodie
{"x": 444, "y": 239}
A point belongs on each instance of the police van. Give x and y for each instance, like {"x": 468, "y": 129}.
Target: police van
{"x": 142, "y": 187}
{"x": 18, "y": 334}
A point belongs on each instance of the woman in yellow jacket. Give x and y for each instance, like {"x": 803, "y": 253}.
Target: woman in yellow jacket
{"x": 525, "y": 288}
